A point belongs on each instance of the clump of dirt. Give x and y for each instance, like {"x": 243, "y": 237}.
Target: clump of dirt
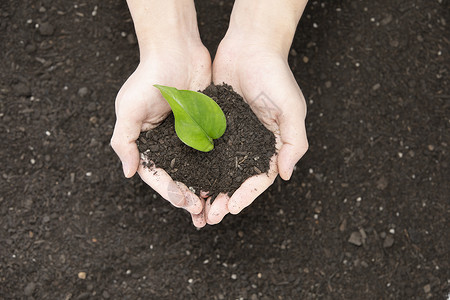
{"x": 243, "y": 151}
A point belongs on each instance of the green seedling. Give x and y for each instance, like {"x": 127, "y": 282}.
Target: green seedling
{"x": 198, "y": 119}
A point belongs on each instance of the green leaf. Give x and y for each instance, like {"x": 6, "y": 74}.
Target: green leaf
{"x": 198, "y": 118}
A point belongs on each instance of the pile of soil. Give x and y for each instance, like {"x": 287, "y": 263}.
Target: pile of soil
{"x": 244, "y": 150}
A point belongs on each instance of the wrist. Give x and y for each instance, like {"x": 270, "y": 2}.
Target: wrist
{"x": 164, "y": 24}
{"x": 270, "y": 23}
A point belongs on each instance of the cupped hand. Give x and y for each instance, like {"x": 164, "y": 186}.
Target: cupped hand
{"x": 140, "y": 107}
{"x": 261, "y": 75}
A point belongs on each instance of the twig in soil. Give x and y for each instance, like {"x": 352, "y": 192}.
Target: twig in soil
{"x": 242, "y": 160}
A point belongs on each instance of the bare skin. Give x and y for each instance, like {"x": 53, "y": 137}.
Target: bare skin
{"x": 252, "y": 58}
{"x": 166, "y": 31}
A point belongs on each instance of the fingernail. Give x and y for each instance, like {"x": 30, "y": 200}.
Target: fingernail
{"x": 193, "y": 203}
{"x": 233, "y": 208}
{"x": 126, "y": 169}
{"x": 290, "y": 171}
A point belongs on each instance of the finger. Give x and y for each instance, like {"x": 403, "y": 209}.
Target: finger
{"x": 252, "y": 188}
{"x": 207, "y": 207}
{"x": 199, "y": 220}
{"x": 193, "y": 203}
{"x": 293, "y": 135}
{"x": 162, "y": 183}
{"x": 123, "y": 142}
{"x": 218, "y": 210}
{"x": 294, "y": 146}
{"x": 204, "y": 194}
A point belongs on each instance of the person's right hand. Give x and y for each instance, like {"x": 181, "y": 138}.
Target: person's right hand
{"x": 140, "y": 107}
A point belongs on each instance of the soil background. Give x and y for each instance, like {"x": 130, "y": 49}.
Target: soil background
{"x": 365, "y": 216}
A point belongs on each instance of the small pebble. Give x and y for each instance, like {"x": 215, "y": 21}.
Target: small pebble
{"x": 376, "y": 87}
{"x": 82, "y": 275}
{"x": 83, "y": 92}
{"x": 29, "y": 289}
{"x": 131, "y": 39}
{"x": 388, "y": 241}
{"x": 30, "y": 48}
{"x": 46, "y": 29}
{"x": 427, "y": 288}
{"x": 343, "y": 225}
{"x": 382, "y": 183}
{"x": 394, "y": 43}
{"x": 386, "y": 20}
{"x": 355, "y": 238}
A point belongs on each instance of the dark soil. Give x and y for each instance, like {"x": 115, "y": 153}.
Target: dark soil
{"x": 365, "y": 215}
{"x": 244, "y": 150}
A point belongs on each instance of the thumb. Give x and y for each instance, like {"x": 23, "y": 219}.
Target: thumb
{"x": 293, "y": 138}
{"x": 123, "y": 142}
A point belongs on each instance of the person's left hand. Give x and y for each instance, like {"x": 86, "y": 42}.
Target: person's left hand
{"x": 255, "y": 70}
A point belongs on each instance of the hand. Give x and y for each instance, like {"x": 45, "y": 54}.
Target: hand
{"x": 253, "y": 67}
{"x": 140, "y": 107}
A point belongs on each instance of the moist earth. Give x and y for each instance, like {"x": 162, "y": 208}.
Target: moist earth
{"x": 364, "y": 216}
{"x": 244, "y": 150}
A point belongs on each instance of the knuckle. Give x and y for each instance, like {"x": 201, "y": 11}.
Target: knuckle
{"x": 114, "y": 143}
{"x": 304, "y": 148}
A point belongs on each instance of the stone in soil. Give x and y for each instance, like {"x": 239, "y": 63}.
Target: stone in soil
{"x": 83, "y": 92}
{"x": 46, "y": 29}
{"x": 29, "y": 289}
{"x": 355, "y": 238}
{"x": 388, "y": 241}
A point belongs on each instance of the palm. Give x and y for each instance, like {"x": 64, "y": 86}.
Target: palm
{"x": 140, "y": 107}
{"x": 266, "y": 83}
{"x": 147, "y": 104}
